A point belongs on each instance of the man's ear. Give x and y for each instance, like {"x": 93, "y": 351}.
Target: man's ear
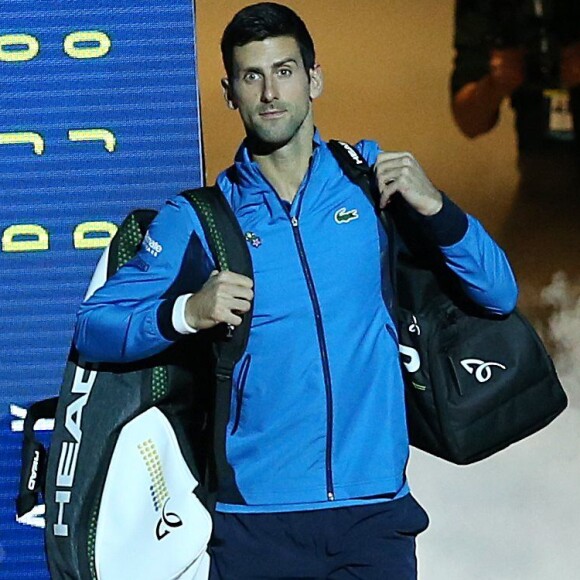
{"x": 227, "y": 90}
{"x": 316, "y": 81}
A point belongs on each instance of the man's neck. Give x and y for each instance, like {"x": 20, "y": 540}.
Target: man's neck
{"x": 286, "y": 167}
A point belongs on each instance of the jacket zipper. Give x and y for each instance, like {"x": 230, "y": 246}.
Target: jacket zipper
{"x": 319, "y": 327}
{"x": 245, "y": 367}
{"x": 323, "y": 354}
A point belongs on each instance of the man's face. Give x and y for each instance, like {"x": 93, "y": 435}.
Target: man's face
{"x": 272, "y": 89}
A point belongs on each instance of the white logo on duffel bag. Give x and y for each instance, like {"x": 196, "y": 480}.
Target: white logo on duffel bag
{"x": 414, "y": 327}
{"x": 412, "y": 360}
{"x": 481, "y": 370}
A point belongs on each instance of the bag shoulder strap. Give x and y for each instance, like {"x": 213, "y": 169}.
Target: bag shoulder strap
{"x": 356, "y": 168}
{"x": 128, "y": 238}
{"x": 230, "y": 252}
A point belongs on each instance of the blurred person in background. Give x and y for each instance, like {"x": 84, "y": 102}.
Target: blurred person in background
{"x": 527, "y": 52}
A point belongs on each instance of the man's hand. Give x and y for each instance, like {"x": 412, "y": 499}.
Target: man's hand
{"x": 223, "y": 298}
{"x": 570, "y": 65}
{"x": 401, "y": 172}
{"x": 507, "y": 69}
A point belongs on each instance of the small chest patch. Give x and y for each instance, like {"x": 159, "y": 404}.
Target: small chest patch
{"x": 343, "y": 216}
{"x": 253, "y": 239}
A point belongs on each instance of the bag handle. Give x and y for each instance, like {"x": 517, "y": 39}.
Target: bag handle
{"x": 356, "y": 168}
{"x": 33, "y": 469}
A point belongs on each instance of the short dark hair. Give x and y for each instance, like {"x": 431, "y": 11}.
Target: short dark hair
{"x": 266, "y": 20}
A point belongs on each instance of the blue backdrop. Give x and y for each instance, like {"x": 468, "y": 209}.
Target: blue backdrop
{"x": 99, "y": 115}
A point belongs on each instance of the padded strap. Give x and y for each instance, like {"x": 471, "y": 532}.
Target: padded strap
{"x": 230, "y": 252}
{"x": 355, "y": 167}
{"x": 127, "y": 240}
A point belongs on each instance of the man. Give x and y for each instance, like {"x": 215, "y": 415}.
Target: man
{"x": 527, "y": 52}
{"x": 524, "y": 50}
{"x": 316, "y": 441}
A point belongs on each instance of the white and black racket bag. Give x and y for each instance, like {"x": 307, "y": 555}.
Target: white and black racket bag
{"x": 126, "y": 478}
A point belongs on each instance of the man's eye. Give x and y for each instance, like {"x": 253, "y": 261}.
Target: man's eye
{"x": 250, "y": 77}
{"x": 285, "y": 72}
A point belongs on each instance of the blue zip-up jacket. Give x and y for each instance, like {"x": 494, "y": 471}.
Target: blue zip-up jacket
{"x": 317, "y": 411}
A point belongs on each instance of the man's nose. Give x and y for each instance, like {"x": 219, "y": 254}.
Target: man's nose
{"x": 269, "y": 90}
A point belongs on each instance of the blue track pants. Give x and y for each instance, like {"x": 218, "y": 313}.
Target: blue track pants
{"x": 370, "y": 542}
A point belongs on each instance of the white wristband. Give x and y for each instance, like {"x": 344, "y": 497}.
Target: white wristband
{"x": 178, "y": 316}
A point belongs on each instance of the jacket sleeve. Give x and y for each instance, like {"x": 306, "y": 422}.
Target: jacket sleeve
{"x": 481, "y": 265}
{"x": 469, "y": 251}
{"x": 130, "y": 317}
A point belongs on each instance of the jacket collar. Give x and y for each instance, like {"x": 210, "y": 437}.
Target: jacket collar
{"x": 248, "y": 173}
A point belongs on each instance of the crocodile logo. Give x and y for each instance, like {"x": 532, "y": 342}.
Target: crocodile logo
{"x": 342, "y": 216}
